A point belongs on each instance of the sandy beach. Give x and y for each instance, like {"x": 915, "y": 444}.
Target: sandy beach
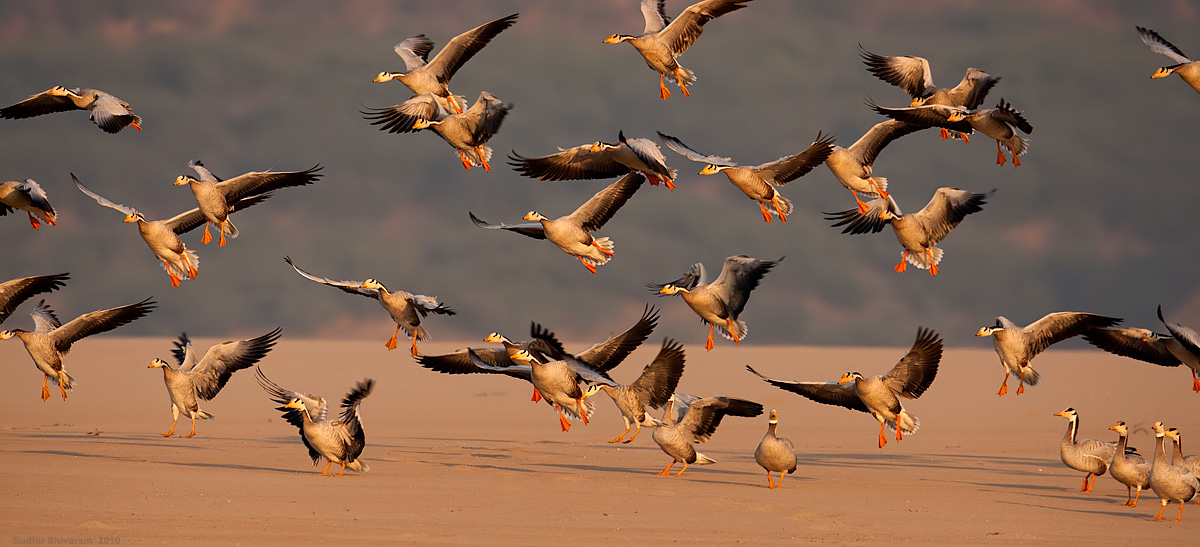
{"x": 468, "y": 460}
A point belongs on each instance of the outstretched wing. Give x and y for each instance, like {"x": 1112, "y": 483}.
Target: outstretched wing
{"x": 352, "y": 287}
{"x": 681, "y": 33}
{"x": 461, "y": 48}
{"x": 947, "y": 208}
{"x": 697, "y": 275}
{"x": 582, "y": 162}
{"x": 105, "y": 201}
{"x": 660, "y": 378}
{"x": 1135, "y": 343}
{"x": 13, "y": 293}
{"x": 916, "y": 370}
{"x": 610, "y": 353}
{"x": 97, "y": 322}
{"x": 604, "y": 204}
{"x": 691, "y": 154}
{"x": 219, "y": 363}
{"x": 531, "y": 229}
{"x": 826, "y": 393}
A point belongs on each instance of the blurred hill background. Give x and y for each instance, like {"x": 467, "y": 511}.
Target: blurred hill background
{"x": 1100, "y": 217}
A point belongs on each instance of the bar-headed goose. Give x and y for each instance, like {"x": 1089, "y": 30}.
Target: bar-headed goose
{"x": 1000, "y": 124}
{"x": 854, "y": 166}
{"x": 720, "y": 303}
{"x": 1171, "y": 482}
{"x": 599, "y": 160}
{"x": 653, "y": 387}
{"x": 775, "y": 454}
{"x": 912, "y": 74}
{"x": 1088, "y": 455}
{"x": 217, "y": 197}
{"x": 340, "y": 440}
{"x": 1017, "y": 346}
{"x": 27, "y": 196}
{"x": 879, "y": 396}
{"x": 698, "y": 423}
{"x": 108, "y": 112}
{"x": 1128, "y": 467}
{"x": 557, "y": 380}
{"x": 1187, "y": 69}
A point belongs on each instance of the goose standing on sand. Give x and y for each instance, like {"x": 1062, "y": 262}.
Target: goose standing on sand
{"x": 1187, "y": 69}
{"x": 27, "y": 196}
{"x": 339, "y": 441}
{"x": 1000, "y": 124}
{"x": 663, "y": 39}
{"x": 1180, "y": 347}
{"x": 677, "y": 436}
{"x": 216, "y": 197}
{"x": 1191, "y": 463}
{"x": 16, "y": 291}
{"x": 879, "y": 396}
{"x": 1171, "y": 482}
{"x": 720, "y": 303}
{"x": 108, "y": 112}
{"x": 51, "y": 340}
{"x": 653, "y": 387}
{"x": 467, "y": 132}
{"x": 204, "y": 378}
{"x": 912, "y": 74}
{"x": 1017, "y": 346}
{"x": 571, "y": 233}
{"x": 434, "y": 77}
{"x": 558, "y": 382}
{"x": 759, "y": 182}
{"x": 775, "y": 454}
{"x": 1128, "y": 467}
{"x": 920, "y": 232}
{"x": 1088, "y": 455}
{"x": 599, "y": 160}
{"x": 162, "y": 236}
{"x": 853, "y": 166}
{"x": 407, "y": 309}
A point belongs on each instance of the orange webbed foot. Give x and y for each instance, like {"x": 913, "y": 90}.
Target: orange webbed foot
{"x": 33, "y": 221}
{"x": 766, "y": 215}
{"x": 207, "y": 237}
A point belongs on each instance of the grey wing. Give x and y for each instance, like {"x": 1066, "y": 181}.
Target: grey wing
{"x": 97, "y": 322}
{"x": 486, "y": 115}
{"x": 868, "y": 147}
{"x": 654, "y": 11}
{"x": 222, "y": 360}
{"x": 974, "y": 87}
{"x": 188, "y": 220}
{"x": 461, "y": 362}
{"x": 44, "y": 319}
{"x": 907, "y": 72}
{"x": 916, "y": 370}
{"x": 104, "y": 201}
{"x": 112, "y": 114}
{"x": 610, "y": 353}
{"x": 659, "y": 378}
{"x": 203, "y": 172}
{"x": 828, "y": 393}
{"x": 1058, "y": 326}
{"x": 648, "y": 152}
{"x": 350, "y": 404}
{"x": 1186, "y": 336}
{"x": 352, "y": 287}
{"x": 524, "y": 372}
{"x": 1158, "y": 44}
{"x": 601, "y": 207}
{"x": 1007, "y": 114}
{"x": 531, "y": 229}
{"x": 739, "y": 276}
{"x": 936, "y": 115}
{"x": 870, "y": 222}
{"x": 428, "y": 304}
{"x": 461, "y": 48}
{"x": 401, "y": 117}
{"x": 703, "y": 416}
{"x": 36, "y": 105}
{"x": 16, "y": 291}
{"x": 38, "y": 196}
{"x": 414, "y": 51}
{"x": 694, "y": 277}
{"x": 578, "y": 163}
{"x": 588, "y": 373}
{"x": 185, "y": 358}
{"x": 1132, "y": 343}
{"x": 316, "y": 405}
{"x": 947, "y": 208}
{"x": 256, "y": 183}
{"x": 789, "y": 168}
{"x": 689, "y": 153}
{"x": 681, "y": 33}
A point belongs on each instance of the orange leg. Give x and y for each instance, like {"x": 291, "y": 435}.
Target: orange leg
{"x": 45, "y": 390}
{"x": 881, "y": 192}
{"x": 669, "y": 183}
{"x": 170, "y": 273}
{"x": 193, "y": 432}
{"x": 136, "y": 126}
{"x": 191, "y": 269}
{"x": 590, "y": 267}
{"x": 579, "y": 403}
{"x": 652, "y": 179}
{"x": 621, "y": 436}
{"x": 221, "y": 233}
{"x": 1160, "y": 511}
{"x": 903, "y": 265}
{"x": 391, "y": 343}
{"x": 1129, "y": 496}
{"x": 1000, "y": 158}
{"x": 562, "y": 421}
{"x": 207, "y": 237}
{"x": 667, "y": 471}
{"x": 766, "y": 214}
{"x": 729, "y": 322}
{"x": 343, "y": 471}
{"x": 679, "y": 81}
{"x": 708, "y": 346}
{"x": 414, "y": 346}
{"x": 663, "y": 92}
{"x": 1195, "y": 382}
{"x": 899, "y": 434}
{"x": 882, "y": 439}
{"x": 862, "y": 207}
{"x": 1021, "y": 386}
{"x": 33, "y": 221}
{"x": 606, "y": 252}
{"x": 62, "y": 382}
{"x": 635, "y": 434}
{"x": 537, "y": 395}
{"x": 326, "y": 471}
{"x": 771, "y": 480}
{"x": 1016, "y": 158}
{"x": 685, "y": 469}
{"x": 172, "y": 431}
{"x": 1180, "y": 517}
{"x": 945, "y": 134}
{"x": 463, "y": 157}
{"x": 933, "y": 269}
{"x": 1003, "y": 385}
{"x": 778, "y": 209}
{"x": 479, "y": 152}
{"x": 1137, "y": 495}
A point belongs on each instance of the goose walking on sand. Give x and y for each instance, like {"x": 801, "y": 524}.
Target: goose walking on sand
{"x": 107, "y": 112}
{"x": 216, "y": 197}
{"x": 1171, "y": 482}
{"x": 203, "y": 378}
{"x": 698, "y": 423}
{"x": 879, "y": 396}
{"x": 759, "y": 182}
{"x": 1187, "y": 69}
{"x": 653, "y": 387}
{"x": 27, "y": 196}
{"x": 1017, "y": 346}
{"x": 599, "y": 160}
{"x": 1192, "y": 462}
{"x": 720, "y": 303}
{"x": 51, "y": 340}
{"x": 1128, "y": 467}
{"x": 663, "y": 39}
{"x": 572, "y": 233}
{"x": 775, "y": 454}
{"x": 407, "y": 309}
{"x": 340, "y": 440}
{"x": 1087, "y": 455}
{"x": 16, "y": 291}
{"x": 434, "y": 76}
{"x": 919, "y": 232}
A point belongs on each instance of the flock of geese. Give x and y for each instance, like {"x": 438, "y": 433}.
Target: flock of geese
{"x": 566, "y": 380}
